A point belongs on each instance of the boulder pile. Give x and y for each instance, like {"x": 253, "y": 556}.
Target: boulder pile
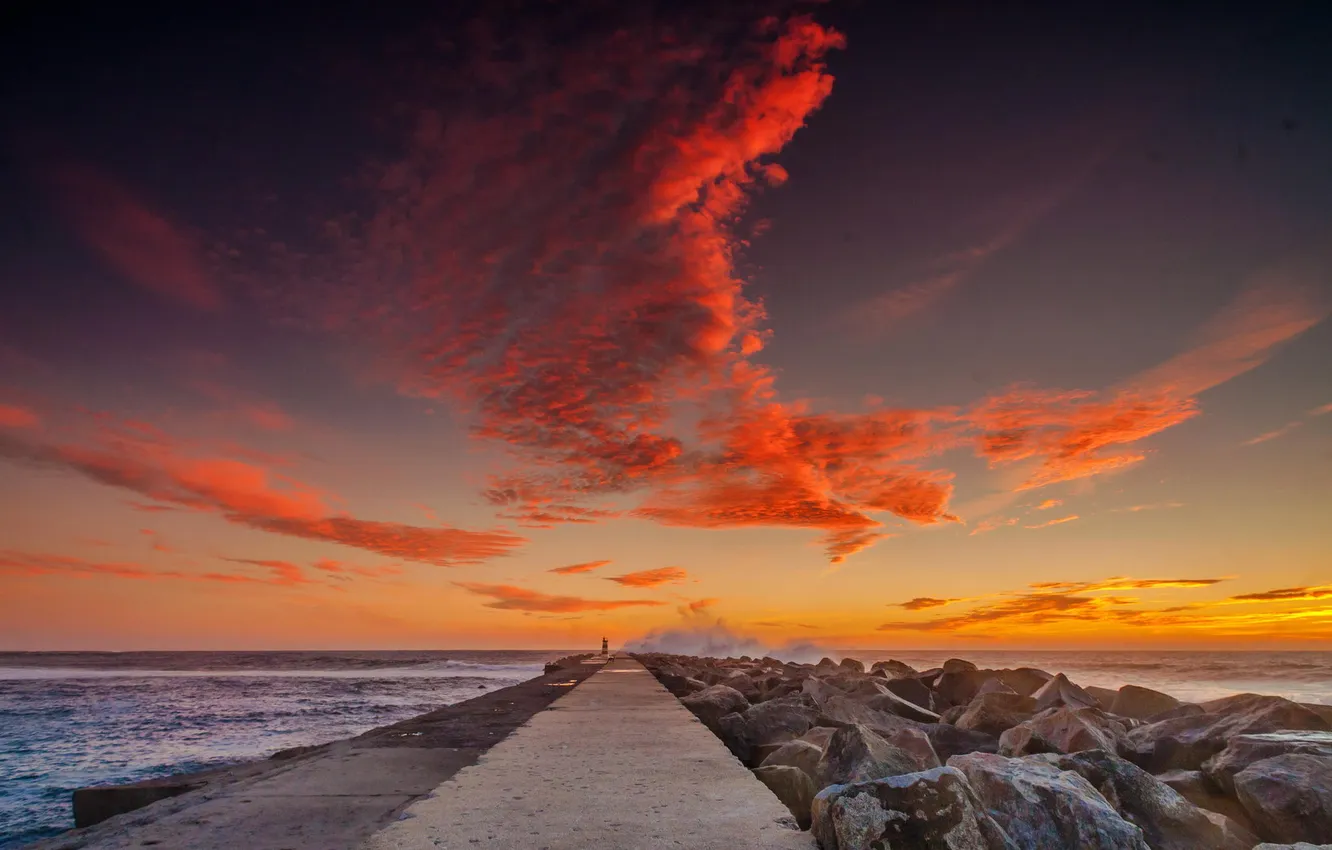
{"x": 961, "y": 757}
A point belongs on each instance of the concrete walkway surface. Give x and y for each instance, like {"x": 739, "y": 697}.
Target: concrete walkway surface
{"x": 617, "y": 763}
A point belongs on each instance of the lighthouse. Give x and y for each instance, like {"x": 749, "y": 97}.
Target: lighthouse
{"x": 605, "y": 647}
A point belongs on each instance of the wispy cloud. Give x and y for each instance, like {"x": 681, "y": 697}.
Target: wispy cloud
{"x": 1151, "y": 506}
{"x": 586, "y": 567}
{"x": 509, "y": 598}
{"x": 651, "y": 578}
{"x": 1287, "y": 594}
{"x": 1049, "y": 503}
{"x": 1272, "y": 435}
{"x": 920, "y": 603}
{"x": 1060, "y": 521}
{"x": 12, "y": 416}
{"x": 991, "y": 524}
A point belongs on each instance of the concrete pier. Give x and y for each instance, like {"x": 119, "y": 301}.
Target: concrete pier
{"x": 616, "y": 764}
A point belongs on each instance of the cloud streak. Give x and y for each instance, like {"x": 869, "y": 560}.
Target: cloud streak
{"x": 651, "y": 578}
{"x": 510, "y": 598}
{"x": 574, "y": 569}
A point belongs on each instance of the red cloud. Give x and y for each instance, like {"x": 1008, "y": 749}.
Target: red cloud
{"x": 18, "y": 417}
{"x": 31, "y": 563}
{"x": 651, "y": 578}
{"x": 284, "y": 572}
{"x": 510, "y": 598}
{"x": 143, "y": 246}
{"x": 579, "y": 568}
{"x": 247, "y": 494}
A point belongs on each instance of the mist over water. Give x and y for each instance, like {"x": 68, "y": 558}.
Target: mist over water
{"x": 69, "y": 720}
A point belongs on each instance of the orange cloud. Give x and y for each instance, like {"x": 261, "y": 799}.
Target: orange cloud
{"x": 991, "y": 524}
{"x": 510, "y": 598}
{"x": 1060, "y": 521}
{"x": 284, "y": 572}
{"x": 247, "y": 494}
{"x": 12, "y": 416}
{"x": 143, "y": 246}
{"x": 651, "y": 578}
{"x": 697, "y": 607}
{"x": 920, "y": 603}
{"x": 1153, "y": 506}
{"x": 1321, "y": 411}
{"x": 579, "y": 568}
{"x": 1272, "y": 435}
{"x": 1286, "y": 594}
{"x": 1049, "y": 503}
{"x": 841, "y": 545}
{"x": 1123, "y": 583}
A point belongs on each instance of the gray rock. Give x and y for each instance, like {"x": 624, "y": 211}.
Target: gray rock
{"x": 1301, "y": 845}
{"x": 1201, "y": 792}
{"x": 893, "y": 669}
{"x": 891, "y": 703}
{"x": 820, "y": 690}
{"x": 930, "y": 810}
{"x": 843, "y": 710}
{"x": 1288, "y": 798}
{"x": 959, "y": 687}
{"x": 1025, "y": 680}
{"x": 712, "y": 704}
{"x": 852, "y": 665}
{"x": 995, "y": 686}
{"x": 994, "y": 713}
{"x": 958, "y": 665}
{"x": 793, "y": 787}
{"x": 802, "y": 754}
{"x": 1066, "y": 730}
{"x": 1233, "y": 833}
{"x": 1168, "y": 821}
{"x": 949, "y": 741}
{"x": 819, "y": 736}
{"x": 1105, "y": 697}
{"x": 773, "y": 722}
{"x": 857, "y": 753}
{"x": 912, "y": 690}
{"x": 1059, "y": 691}
{"x": 1039, "y": 805}
{"x": 951, "y": 715}
{"x": 1243, "y": 750}
{"x": 1185, "y": 742}
{"x": 1141, "y": 703}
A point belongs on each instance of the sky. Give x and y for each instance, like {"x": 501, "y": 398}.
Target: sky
{"x": 799, "y": 325}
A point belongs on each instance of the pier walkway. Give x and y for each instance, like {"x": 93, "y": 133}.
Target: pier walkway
{"x": 616, "y": 764}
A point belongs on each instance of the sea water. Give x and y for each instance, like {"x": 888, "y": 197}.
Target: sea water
{"x": 68, "y": 720}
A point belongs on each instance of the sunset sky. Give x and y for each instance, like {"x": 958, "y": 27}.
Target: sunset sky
{"x": 854, "y": 325}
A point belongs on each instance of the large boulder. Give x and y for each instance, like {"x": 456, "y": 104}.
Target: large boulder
{"x": 995, "y": 685}
{"x": 892, "y": 669}
{"x": 1105, "y": 697}
{"x": 949, "y": 741}
{"x": 820, "y": 690}
{"x": 959, "y": 687}
{"x": 930, "y": 810}
{"x": 819, "y": 736}
{"x": 680, "y": 685}
{"x": 853, "y": 665}
{"x": 1203, "y": 793}
{"x": 1059, "y": 691}
{"x": 857, "y": 753}
{"x": 710, "y": 705}
{"x": 891, "y": 703}
{"x": 912, "y": 690}
{"x": 844, "y": 711}
{"x": 1025, "y": 680}
{"x": 1299, "y": 845}
{"x": 1288, "y": 798}
{"x": 793, "y": 787}
{"x": 1233, "y": 833}
{"x": 802, "y": 754}
{"x": 1243, "y": 750}
{"x": 1064, "y": 730}
{"x": 958, "y": 665}
{"x": 1141, "y": 703}
{"x": 773, "y": 722}
{"x": 1185, "y": 742}
{"x": 994, "y": 713}
{"x": 1168, "y": 821}
{"x": 1039, "y": 805}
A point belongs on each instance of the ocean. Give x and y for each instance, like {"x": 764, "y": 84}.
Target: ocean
{"x": 69, "y": 720}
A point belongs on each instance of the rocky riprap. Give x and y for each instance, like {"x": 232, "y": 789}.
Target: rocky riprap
{"x": 960, "y": 758}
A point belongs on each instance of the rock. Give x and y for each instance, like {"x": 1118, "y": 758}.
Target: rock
{"x": 1243, "y": 750}
{"x": 891, "y": 703}
{"x": 949, "y": 741}
{"x": 893, "y": 669}
{"x": 1233, "y": 833}
{"x": 819, "y": 736}
{"x": 995, "y": 686}
{"x": 958, "y": 687}
{"x": 1185, "y": 742}
{"x": 1025, "y": 680}
{"x": 852, "y": 664}
{"x": 1059, "y": 691}
{"x": 1198, "y": 790}
{"x": 1039, "y": 805}
{"x": 1141, "y": 703}
{"x": 1168, "y": 821}
{"x": 1289, "y": 797}
{"x": 802, "y": 754}
{"x": 951, "y": 715}
{"x": 1302, "y": 845}
{"x": 711, "y": 704}
{"x": 1185, "y": 709}
{"x": 958, "y": 665}
{"x": 1323, "y": 711}
{"x": 1067, "y": 730}
{"x": 820, "y": 690}
{"x": 773, "y": 722}
{"x": 994, "y": 713}
{"x": 826, "y": 662}
{"x": 680, "y": 685}
{"x": 844, "y": 711}
{"x": 1105, "y": 697}
{"x": 857, "y": 753}
{"x": 930, "y": 810}
{"x": 744, "y": 685}
{"x": 912, "y": 690}
{"x": 793, "y": 787}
